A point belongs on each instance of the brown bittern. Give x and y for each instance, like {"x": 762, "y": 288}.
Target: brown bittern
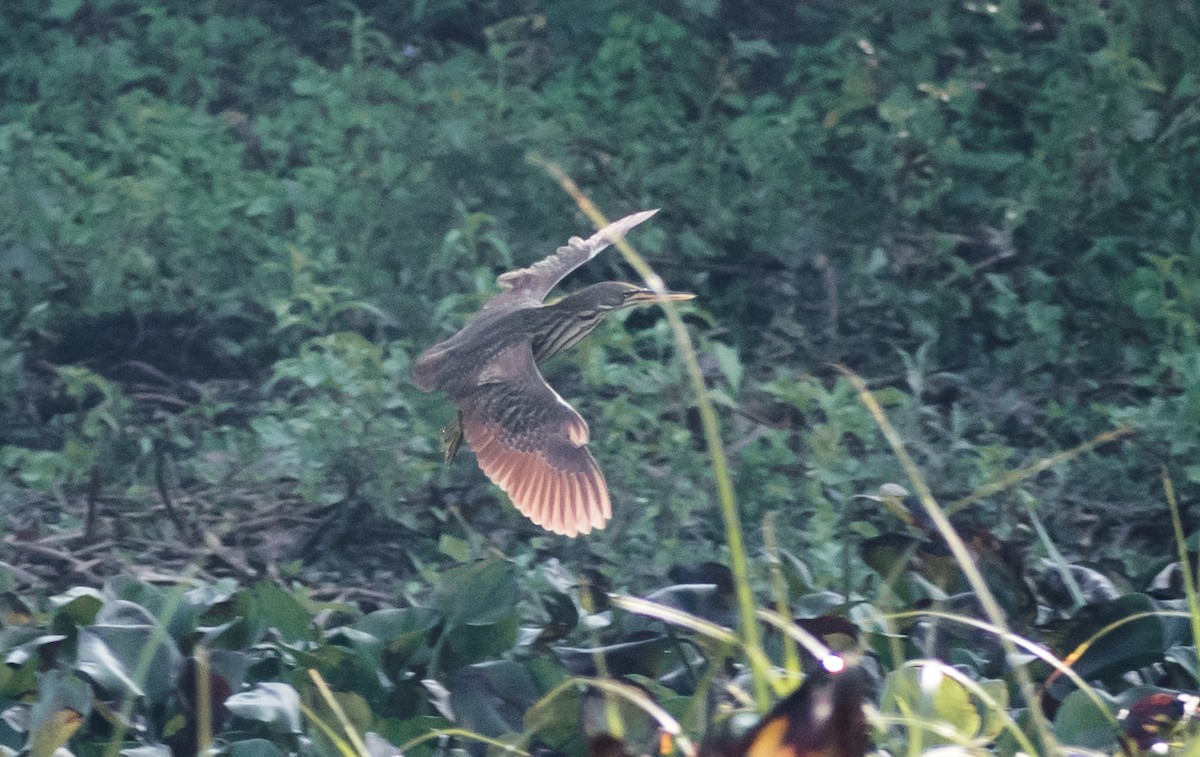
{"x": 526, "y": 438}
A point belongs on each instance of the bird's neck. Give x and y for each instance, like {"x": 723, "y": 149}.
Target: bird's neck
{"x": 564, "y": 327}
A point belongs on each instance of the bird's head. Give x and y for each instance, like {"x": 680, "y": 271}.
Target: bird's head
{"x": 608, "y": 296}
{"x": 570, "y": 319}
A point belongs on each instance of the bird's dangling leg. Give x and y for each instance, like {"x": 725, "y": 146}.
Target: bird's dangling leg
{"x": 452, "y": 437}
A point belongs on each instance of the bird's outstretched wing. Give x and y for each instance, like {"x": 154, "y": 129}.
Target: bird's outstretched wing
{"x": 533, "y": 445}
{"x": 538, "y": 279}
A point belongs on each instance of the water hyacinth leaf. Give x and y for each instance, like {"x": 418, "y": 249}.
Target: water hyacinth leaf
{"x": 63, "y": 703}
{"x": 133, "y": 660}
{"x": 1185, "y": 657}
{"x": 251, "y": 622}
{"x": 254, "y": 748}
{"x": 397, "y": 731}
{"x": 149, "y": 750}
{"x": 796, "y": 572}
{"x": 561, "y": 617}
{"x": 280, "y": 610}
{"x": 59, "y": 690}
{"x": 556, "y": 720}
{"x": 78, "y": 604}
{"x": 817, "y": 603}
{"x": 230, "y": 665}
{"x": 546, "y": 673}
{"x": 325, "y": 658}
{"x": 16, "y": 680}
{"x": 368, "y": 648}
{"x": 64, "y": 9}
{"x": 993, "y": 723}
{"x": 392, "y": 623}
{"x": 104, "y": 668}
{"x": 208, "y": 595}
{"x": 1079, "y": 722}
{"x": 492, "y": 697}
{"x": 1134, "y": 644}
{"x": 455, "y": 548}
{"x": 354, "y": 708}
{"x": 377, "y": 746}
{"x": 928, "y": 693}
{"x": 212, "y": 635}
{"x": 730, "y": 364}
{"x": 650, "y": 657}
{"x": 888, "y": 554}
{"x": 131, "y": 638}
{"x": 122, "y": 612}
{"x": 403, "y": 631}
{"x": 275, "y": 704}
{"x": 1176, "y": 622}
{"x": 14, "y": 724}
{"x": 26, "y": 645}
{"x": 481, "y": 593}
{"x": 168, "y": 607}
{"x": 473, "y": 643}
{"x": 704, "y": 600}
{"x": 55, "y": 729}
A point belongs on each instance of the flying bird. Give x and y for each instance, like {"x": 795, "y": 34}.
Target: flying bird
{"x": 526, "y": 438}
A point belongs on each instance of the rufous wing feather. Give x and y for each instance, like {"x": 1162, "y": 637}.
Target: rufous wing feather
{"x": 533, "y": 445}
{"x": 558, "y": 486}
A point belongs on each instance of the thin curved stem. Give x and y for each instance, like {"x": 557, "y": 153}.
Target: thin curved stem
{"x": 712, "y": 436}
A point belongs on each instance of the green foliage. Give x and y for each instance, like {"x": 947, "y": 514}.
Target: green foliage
{"x": 1002, "y": 189}
{"x": 339, "y": 421}
{"x": 122, "y": 667}
{"x": 990, "y": 209}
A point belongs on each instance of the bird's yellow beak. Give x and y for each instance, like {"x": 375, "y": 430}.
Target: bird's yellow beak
{"x": 644, "y": 296}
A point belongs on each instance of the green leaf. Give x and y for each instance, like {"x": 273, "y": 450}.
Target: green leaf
{"x": 492, "y": 697}
{"x": 481, "y": 593}
{"x": 1080, "y": 723}
{"x": 993, "y": 722}
{"x": 275, "y": 704}
{"x": 254, "y": 748}
{"x": 1132, "y": 645}
{"x": 455, "y": 548}
{"x": 403, "y": 631}
{"x": 150, "y": 750}
{"x": 62, "y": 706}
{"x": 927, "y": 693}
{"x": 54, "y": 730}
{"x": 80, "y": 604}
{"x": 130, "y": 655}
{"x": 463, "y": 645}
{"x": 280, "y": 610}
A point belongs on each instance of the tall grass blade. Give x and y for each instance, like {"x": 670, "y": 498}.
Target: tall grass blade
{"x": 1190, "y": 589}
{"x": 962, "y": 556}
{"x": 739, "y": 565}
{"x": 1012, "y": 478}
{"x": 335, "y": 707}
